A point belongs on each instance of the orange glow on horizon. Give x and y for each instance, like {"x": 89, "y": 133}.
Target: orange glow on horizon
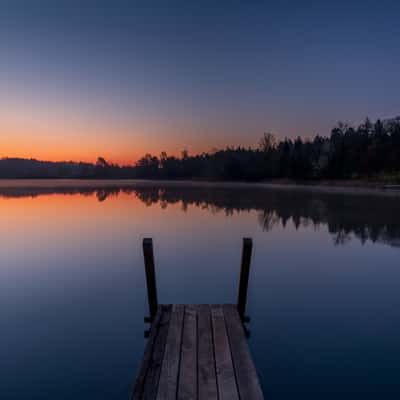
{"x": 80, "y": 155}
{"x": 52, "y": 135}
{"x": 48, "y": 141}
{"x": 18, "y": 146}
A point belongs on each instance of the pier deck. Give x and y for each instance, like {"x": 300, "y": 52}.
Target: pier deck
{"x": 197, "y": 352}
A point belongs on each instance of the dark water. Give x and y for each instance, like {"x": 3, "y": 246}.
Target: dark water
{"x": 324, "y": 296}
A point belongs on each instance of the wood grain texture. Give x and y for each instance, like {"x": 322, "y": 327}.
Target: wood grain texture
{"x": 168, "y": 385}
{"x": 246, "y": 374}
{"x": 147, "y": 357}
{"x": 226, "y": 379}
{"x": 187, "y": 388}
{"x": 153, "y": 373}
{"x": 207, "y": 379}
{"x": 197, "y": 352}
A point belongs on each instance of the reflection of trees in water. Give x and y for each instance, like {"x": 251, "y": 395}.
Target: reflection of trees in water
{"x": 268, "y": 220}
{"x": 366, "y": 217}
{"x": 103, "y": 194}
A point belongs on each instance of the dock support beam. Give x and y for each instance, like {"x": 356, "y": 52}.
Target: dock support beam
{"x": 244, "y": 277}
{"x": 150, "y": 276}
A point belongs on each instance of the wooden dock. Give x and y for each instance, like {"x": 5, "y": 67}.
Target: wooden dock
{"x": 197, "y": 351}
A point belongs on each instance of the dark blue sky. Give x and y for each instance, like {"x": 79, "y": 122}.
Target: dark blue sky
{"x": 123, "y": 77}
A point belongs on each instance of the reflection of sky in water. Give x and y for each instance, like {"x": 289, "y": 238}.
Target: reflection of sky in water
{"x": 324, "y": 318}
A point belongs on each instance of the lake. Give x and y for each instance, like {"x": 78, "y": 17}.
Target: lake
{"x": 324, "y": 298}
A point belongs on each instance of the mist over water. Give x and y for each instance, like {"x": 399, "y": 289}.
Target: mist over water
{"x": 323, "y": 296}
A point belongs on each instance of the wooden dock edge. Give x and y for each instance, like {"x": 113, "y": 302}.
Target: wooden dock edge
{"x": 197, "y": 352}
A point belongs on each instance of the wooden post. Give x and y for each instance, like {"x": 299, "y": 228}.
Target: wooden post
{"x": 150, "y": 276}
{"x": 244, "y": 276}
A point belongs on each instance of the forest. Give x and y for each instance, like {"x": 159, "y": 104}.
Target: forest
{"x": 369, "y": 151}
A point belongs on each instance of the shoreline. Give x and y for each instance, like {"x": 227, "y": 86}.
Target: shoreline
{"x": 345, "y": 187}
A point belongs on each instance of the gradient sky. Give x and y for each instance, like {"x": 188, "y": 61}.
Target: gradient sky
{"x": 120, "y": 78}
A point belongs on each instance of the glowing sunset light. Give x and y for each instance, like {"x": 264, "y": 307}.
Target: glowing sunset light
{"x": 55, "y": 136}
{"x": 122, "y": 81}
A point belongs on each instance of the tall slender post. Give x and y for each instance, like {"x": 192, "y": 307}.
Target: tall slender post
{"x": 244, "y": 276}
{"x": 150, "y": 276}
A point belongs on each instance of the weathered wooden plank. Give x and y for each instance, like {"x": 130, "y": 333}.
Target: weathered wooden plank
{"x": 197, "y": 352}
{"x": 153, "y": 373}
{"x": 147, "y": 357}
{"x": 246, "y": 374}
{"x": 187, "y": 387}
{"x": 226, "y": 380}
{"x": 168, "y": 384}
{"x": 207, "y": 380}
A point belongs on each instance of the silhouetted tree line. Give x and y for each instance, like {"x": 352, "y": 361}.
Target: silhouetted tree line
{"x": 369, "y": 150}
{"x": 366, "y": 151}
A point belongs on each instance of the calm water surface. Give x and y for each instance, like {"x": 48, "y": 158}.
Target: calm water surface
{"x": 324, "y": 296}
